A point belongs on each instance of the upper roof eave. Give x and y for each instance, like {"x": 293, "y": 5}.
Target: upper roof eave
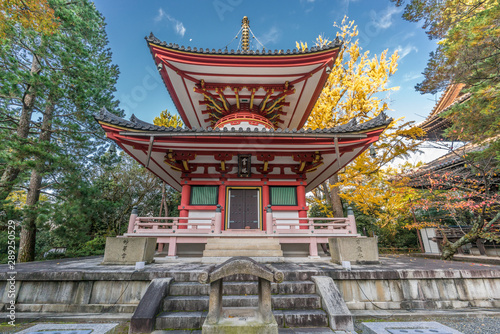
{"x": 141, "y": 128}
{"x": 153, "y": 40}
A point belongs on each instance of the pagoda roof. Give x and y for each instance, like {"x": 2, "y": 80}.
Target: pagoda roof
{"x": 204, "y": 84}
{"x": 323, "y": 152}
{"x": 453, "y": 164}
{"x": 435, "y": 124}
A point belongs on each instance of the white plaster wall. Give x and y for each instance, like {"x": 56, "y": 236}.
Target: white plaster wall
{"x": 285, "y": 214}
{"x": 201, "y": 214}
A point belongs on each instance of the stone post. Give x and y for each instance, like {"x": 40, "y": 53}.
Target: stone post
{"x": 131, "y": 222}
{"x": 218, "y": 219}
{"x": 269, "y": 220}
{"x": 248, "y": 320}
{"x": 265, "y": 307}
{"x": 214, "y": 302}
{"x": 352, "y": 221}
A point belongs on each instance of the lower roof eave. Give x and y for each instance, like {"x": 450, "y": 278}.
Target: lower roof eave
{"x": 245, "y": 134}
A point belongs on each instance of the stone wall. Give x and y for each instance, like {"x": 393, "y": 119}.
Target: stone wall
{"x": 76, "y": 296}
{"x": 411, "y": 290}
{"x": 398, "y": 289}
{"x": 420, "y": 294}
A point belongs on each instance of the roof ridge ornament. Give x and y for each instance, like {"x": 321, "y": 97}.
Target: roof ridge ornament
{"x": 245, "y": 33}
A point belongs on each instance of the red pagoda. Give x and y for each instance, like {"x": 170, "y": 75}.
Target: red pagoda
{"x": 244, "y": 162}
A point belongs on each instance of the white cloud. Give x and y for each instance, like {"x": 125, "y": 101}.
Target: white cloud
{"x": 160, "y": 16}
{"x": 404, "y": 51}
{"x": 383, "y": 19}
{"x": 179, "y": 28}
{"x": 178, "y": 25}
{"x": 411, "y": 76}
{"x": 271, "y": 36}
{"x": 408, "y": 35}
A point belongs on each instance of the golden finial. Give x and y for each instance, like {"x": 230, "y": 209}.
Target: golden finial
{"x": 245, "y": 33}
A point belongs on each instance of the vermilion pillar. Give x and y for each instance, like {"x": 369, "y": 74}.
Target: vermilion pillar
{"x": 222, "y": 202}
{"x": 184, "y": 212}
{"x": 265, "y": 203}
{"x": 301, "y": 202}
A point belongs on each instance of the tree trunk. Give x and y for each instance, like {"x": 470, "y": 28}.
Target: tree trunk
{"x": 449, "y": 249}
{"x": 27, "y": 240}
{"x": 28, "y": 230}
{"x": 163, "y": 204}
{"x": 11, "y": 172}
{"x": 337, "y": 209}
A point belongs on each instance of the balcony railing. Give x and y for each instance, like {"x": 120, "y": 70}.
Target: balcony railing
{"x": 311, "y": 226}
{"x": 174, "y": 225}
{"x": 175, "y": 230}
{"x": 212, "y": 225}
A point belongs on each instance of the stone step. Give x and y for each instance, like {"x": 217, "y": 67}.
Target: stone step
{"x": 252, "y": 247}
{"x": 301, "y": 318}
{"x": 307, "y": 330}
{"x": 242, "y": 288}
{"x": 290, "y": 275}
{"x": 236, "y": 246}
{"x": 180, "y": 320}
{"x": 288, "y": 318}
{"x": 242, "y": 241}
{"x": 242, "y": 252}
{"x": 284, "y": 302}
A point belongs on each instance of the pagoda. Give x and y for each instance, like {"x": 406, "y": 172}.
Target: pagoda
{"x": 244, "y": 161}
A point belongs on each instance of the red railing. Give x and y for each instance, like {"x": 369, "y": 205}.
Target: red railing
{"x": 174, "y": 230}
{"x": 312, "y": 226}
{"x": 173, "y": 225}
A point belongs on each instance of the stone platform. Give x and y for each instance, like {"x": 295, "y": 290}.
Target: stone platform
{"x": 399, "y": 284}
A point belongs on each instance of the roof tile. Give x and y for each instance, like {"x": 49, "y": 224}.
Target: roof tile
{"x": 154, "y": 40}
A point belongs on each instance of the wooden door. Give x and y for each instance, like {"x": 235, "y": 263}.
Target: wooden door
{"x": 243, "y": 209}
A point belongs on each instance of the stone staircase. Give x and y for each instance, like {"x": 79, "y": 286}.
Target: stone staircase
{"x": 263, "y": 249}
{"x": 295, "y": 303}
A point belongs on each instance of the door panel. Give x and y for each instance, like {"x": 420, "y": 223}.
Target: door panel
{"x": 243, "y": 208}
{"x": 237, "y": 209}
{"x": 252, "y": 208}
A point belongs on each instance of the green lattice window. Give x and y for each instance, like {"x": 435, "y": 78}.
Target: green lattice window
{"x": 283, "y": 195}
{"x": 204, "y": 195}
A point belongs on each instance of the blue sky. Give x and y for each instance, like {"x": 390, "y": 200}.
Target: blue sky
{"x": 277, "y": 24}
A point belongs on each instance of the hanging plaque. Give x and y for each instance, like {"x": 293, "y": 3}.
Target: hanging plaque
{"x": 244, "y": 165}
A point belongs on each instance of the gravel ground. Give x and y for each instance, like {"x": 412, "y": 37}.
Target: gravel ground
{"x": 474, "y": 325}
{"x": 466, "y": 325}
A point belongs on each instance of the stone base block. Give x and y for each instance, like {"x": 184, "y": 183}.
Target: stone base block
{"x": 241, "y": 325}
{"x": 260, "y": 259}
{"x": 128, "y": 251}
{"x": 359, "y": 250}
{"x": 249, "y": 247}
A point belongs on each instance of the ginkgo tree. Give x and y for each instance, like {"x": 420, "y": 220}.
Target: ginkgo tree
{"x": 358, "y": 87}
{"x": 37, "y": 15}
{"x": 166, "y": 119}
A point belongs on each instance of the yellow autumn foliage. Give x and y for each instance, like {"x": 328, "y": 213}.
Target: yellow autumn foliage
{"x": 18, "y": 198}
{"x": 166, "y": 119}
{"x": 358, "y": 87}
{"x": 30, "y": 14}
